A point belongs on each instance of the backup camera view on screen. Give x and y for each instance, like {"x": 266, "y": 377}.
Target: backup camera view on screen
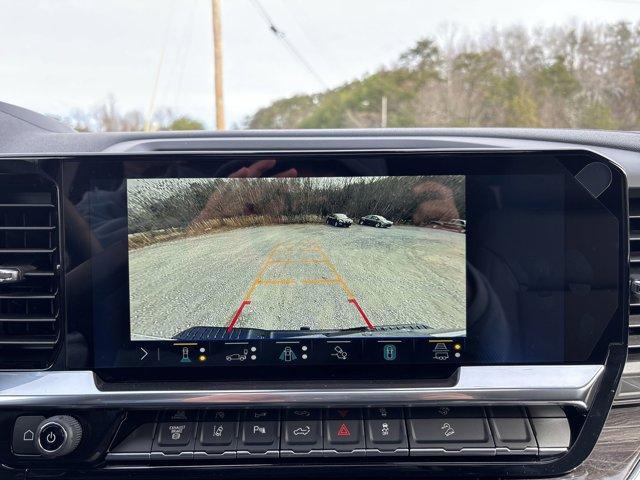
{"x": 288, "y": 257}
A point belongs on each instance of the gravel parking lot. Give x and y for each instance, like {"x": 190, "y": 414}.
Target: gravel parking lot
{"x": 293, "y": 276}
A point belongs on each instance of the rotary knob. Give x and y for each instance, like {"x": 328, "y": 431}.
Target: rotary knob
{"x": 57, "y": 436}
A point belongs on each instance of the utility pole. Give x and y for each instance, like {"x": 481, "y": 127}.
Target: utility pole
{"x": 383, "y": 112}
{"x": 217, "y": 63}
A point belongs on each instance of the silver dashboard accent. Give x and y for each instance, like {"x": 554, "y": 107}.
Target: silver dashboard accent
{"x": 10, "y": 275}
{"x": 441, "y": 452}
{"x": 356, "y": 452}
{"x": 525, "y": 451}
{"x": 309, "y": 454}
{"x": 199, "y": 455}
{"x": 551, "y": 451}
{"x": 398, "y": 452}
{"x": 635, "y": 473}
{"x": 487, "y": 385}
{"x": 253, "y": 455}
{"x": 162, "y": 456}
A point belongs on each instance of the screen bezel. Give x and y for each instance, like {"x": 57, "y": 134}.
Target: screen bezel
{"x": 447, "y": 163}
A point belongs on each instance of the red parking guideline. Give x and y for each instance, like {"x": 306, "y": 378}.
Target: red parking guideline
{"x": 237, "y": 315}
{"x": 362, "y": 314}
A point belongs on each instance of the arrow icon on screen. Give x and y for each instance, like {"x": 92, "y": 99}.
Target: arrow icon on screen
{"x": 145, "y": 353}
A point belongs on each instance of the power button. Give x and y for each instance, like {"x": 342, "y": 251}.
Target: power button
{"x": 51, "y": 437}
{"x": 58, "y": 436}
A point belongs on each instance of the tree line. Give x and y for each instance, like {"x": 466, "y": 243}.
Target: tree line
{"x": 108, "y": 117}
{"x": 166, "y": 204}
{"x": 570, "y": 76}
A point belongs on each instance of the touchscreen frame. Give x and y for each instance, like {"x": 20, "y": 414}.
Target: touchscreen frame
{"x": 110, "y": 167}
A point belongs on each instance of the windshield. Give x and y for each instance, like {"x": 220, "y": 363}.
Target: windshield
{"x": 280, "y": 64}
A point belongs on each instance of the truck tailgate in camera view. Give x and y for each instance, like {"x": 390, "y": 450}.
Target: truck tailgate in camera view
{"x": 259, "y": 254}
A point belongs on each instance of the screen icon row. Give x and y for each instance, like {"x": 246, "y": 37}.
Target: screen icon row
{"x": 295, "y": 352}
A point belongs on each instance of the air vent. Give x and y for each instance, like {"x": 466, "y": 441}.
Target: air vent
{"x": 634, "y": 250}
{"x": 29, "y": 272}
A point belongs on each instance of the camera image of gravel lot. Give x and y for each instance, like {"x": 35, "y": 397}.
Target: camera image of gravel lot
{"x": 307, "y": 274}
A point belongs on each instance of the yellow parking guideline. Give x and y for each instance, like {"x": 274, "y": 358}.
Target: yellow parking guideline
{"x": 263, "y": 269}
{"x": 289, "y": 248}
{"x": 277, "y": 281}
{"x": 291, "y": 262}
{"x": 320, "y": 281}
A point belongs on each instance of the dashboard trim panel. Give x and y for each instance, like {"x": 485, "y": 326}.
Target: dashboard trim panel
{"x": 494, "y": 385}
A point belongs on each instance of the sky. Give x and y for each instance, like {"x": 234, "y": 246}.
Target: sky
{"x": 60, "y": 55}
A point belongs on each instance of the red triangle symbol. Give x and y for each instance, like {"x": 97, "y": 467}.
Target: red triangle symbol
{"x": 343, "y": 413}
{"x": 343, "y": 431}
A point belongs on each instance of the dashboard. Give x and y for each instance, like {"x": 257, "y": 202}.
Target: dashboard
{"x": 395, "y": 303}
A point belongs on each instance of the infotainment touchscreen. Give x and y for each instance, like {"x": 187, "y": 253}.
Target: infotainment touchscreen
{"x": 342, "y": 263}
{"x": 298, "y": 258}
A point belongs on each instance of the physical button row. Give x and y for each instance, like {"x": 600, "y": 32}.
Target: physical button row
{"x": 383, "y": 431}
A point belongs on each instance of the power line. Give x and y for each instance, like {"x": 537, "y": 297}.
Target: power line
{"x": 181, "y": 56}
{"x": 283, "y": 37}
{"x": 294, "y": 12}
{"x": 156, "y": 82}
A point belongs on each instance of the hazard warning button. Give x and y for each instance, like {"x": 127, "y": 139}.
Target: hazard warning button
{"x": 344, "y": 431}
